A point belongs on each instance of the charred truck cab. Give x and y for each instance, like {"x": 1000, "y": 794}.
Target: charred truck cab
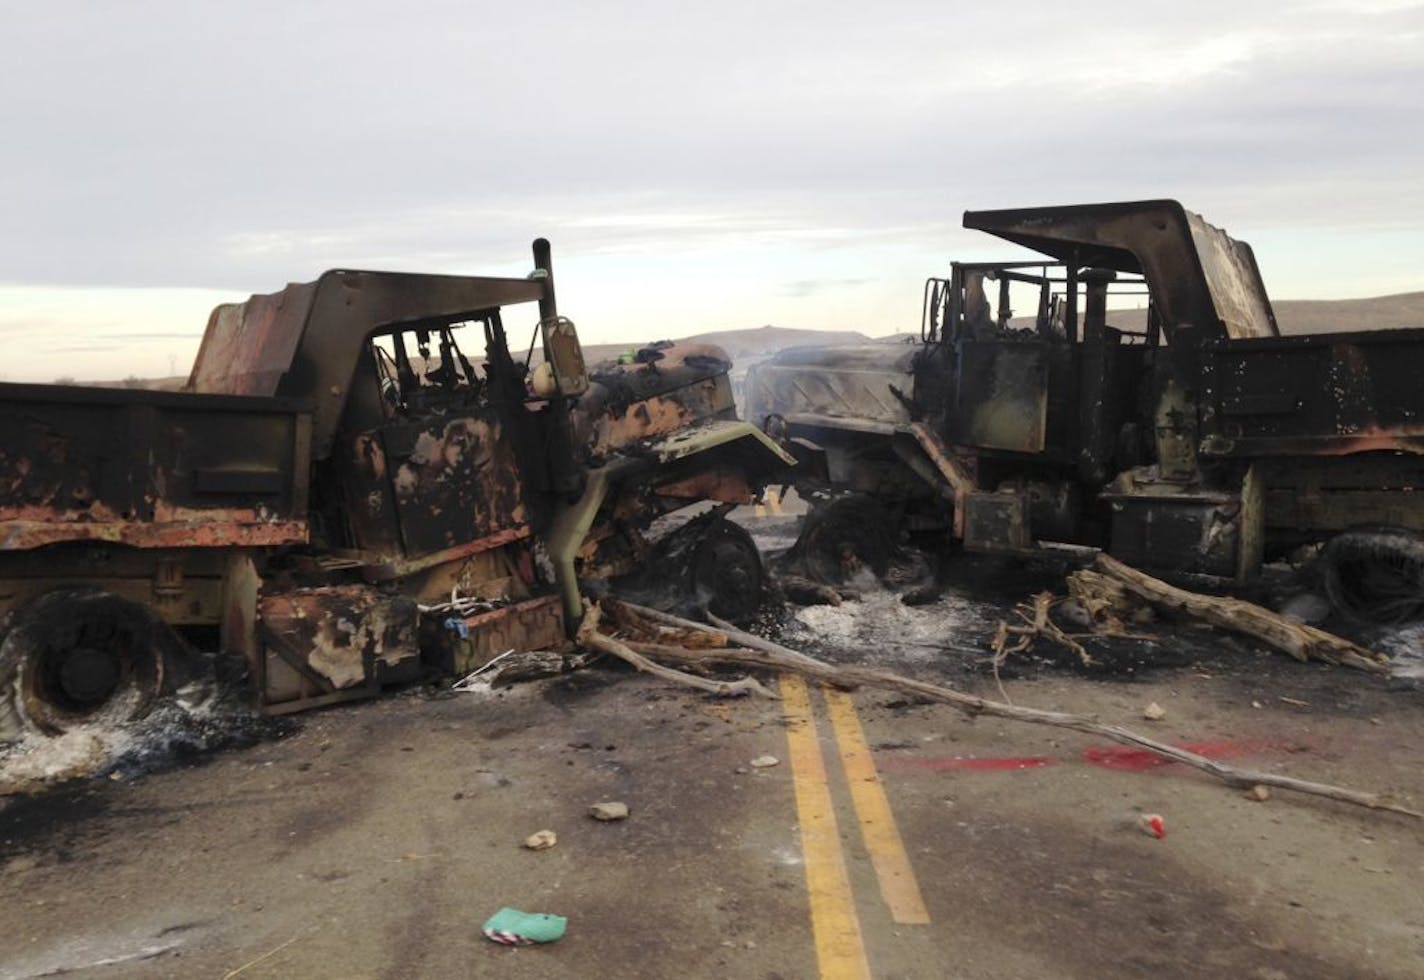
{"x": 1131, "y": 392}
{"x": 347, "y": 495}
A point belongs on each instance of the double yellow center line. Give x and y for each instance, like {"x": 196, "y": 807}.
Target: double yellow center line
{"x": 840, "y": 947}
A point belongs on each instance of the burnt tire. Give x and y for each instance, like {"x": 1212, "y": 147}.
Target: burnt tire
{"x": 1375, "y": 576}
{"x": 843, "y": 536}
{"x": 707, "y": 564}
{"x": 82, "y": 656}
{"x": 726, "y": 574}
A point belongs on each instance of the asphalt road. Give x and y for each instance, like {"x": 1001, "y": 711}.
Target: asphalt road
{"x": 891, "y": 839}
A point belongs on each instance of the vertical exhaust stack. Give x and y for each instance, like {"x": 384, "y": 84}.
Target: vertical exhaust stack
{"x": 562, "y": 351}
{"x": 561, "y": 378}
{"x": 543, "y": 262}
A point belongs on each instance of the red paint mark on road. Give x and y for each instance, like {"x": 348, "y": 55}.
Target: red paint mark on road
{"x": 910, "y": 763}
{"x": 1140, "y": 760}
{"x": 1108, "y": 756}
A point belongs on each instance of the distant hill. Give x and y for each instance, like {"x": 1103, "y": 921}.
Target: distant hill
{"x": 1297, "y": 316}
{"x": 1326, "y": 315}
{"x": 749, "y": 345}
{"x": 744, "y": 347}
{"x": 1293, "y": 316}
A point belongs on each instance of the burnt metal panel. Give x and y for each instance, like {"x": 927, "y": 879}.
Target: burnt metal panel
{"x": 458, "y": 482}
{"x": 335, "y": 638}
{"x": 996, "y": 522}
{"x": 150, "y": 469}
{"x": 1194, "y": 533}
{"x": 1002, "y": 393}
{"x": 1200, "y": 278}
{"x": 459, "y": 645}
{"x": 1334, "y": 493}
{"x": 665, "y": 389}
{"x": 247, "y": 347}
{"x": 1315, "y": 394}
{"x": 422, "y": 487}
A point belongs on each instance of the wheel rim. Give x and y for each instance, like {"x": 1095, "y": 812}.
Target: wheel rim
{"x": 85, "y": 657}
{"x": 844, "y": 537}
{"x": 728, "y": 578}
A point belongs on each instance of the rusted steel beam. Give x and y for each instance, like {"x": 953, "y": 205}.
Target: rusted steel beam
{"x": 377, "y": 568}
{"x": 216, "y": 530}
{"x": 1402, "y": 439}
{"x": 960, "y": 480}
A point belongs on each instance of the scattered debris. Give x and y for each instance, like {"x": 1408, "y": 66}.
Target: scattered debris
{"x": 1153, "y": 824}
{"x": 1154, "y": 712}
{"x": 514, "y": 666}
{"x": 203, "y": 716}
{"x": 1036, "y": 621}
{"x": 541, "y": 840}
{"x": 1300, "y": 640}
{"x": 765, "y": 762}
{"x": 588, "y": 636}
{"x": 511, "y": 927}
{"x": 923, "y": 595}
{"x": 804, "y": 592}
{"x": 757, "y": 651}
{"x": 1258, "y": 793}
{"x": 1295, "y": 701}
{"x": 609, "y": 812}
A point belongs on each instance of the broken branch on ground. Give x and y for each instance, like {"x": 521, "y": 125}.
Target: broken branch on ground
{"x": 589, "y": 636}
{"x": 1301, "y": 641}
{"x": 774, "y": 656}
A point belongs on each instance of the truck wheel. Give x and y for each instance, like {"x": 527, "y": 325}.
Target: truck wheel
{"x": 843, "y": 536}
{"x": 82, "y": 657}
{"x": 1375, "y": 575}
{"x": 726, "y": 572}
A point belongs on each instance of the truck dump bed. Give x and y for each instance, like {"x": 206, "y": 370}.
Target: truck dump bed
{"x": 1314, "y": 394}
{"x": 150, "y": 469}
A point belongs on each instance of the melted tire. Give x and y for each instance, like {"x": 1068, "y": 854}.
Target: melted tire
{"x": 708, "y": 563}
{"x": 843, "y": 536}
{"x": 12, "y": 723}
{"x": 82, "y": 656}
{"x": 1375, "y": 576}
{"x": 726, "y": 574}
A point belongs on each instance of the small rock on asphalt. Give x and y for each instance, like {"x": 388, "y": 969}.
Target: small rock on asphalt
{"x": 1154, "y": 712}
{"x": 1258, "y": 793}
{"x": 765, "y": 761}
{"x": 541, "y": 840}
{"x": 609, "y": 811}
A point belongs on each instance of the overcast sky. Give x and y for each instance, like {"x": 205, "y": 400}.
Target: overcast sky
{"x": 697, "y": 166}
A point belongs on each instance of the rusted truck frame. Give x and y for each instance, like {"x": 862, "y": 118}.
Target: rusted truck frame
{"x": 1198, "y": 440}
{"x": 344, "y": 499}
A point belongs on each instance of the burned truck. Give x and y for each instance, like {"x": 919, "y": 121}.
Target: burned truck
{"x": 1130, "y": 391}
{"x": 344, "y": 499}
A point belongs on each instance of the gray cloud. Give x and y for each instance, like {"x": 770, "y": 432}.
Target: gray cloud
{"x": 812, "y": 287}
{"x": 238, "y": 146}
